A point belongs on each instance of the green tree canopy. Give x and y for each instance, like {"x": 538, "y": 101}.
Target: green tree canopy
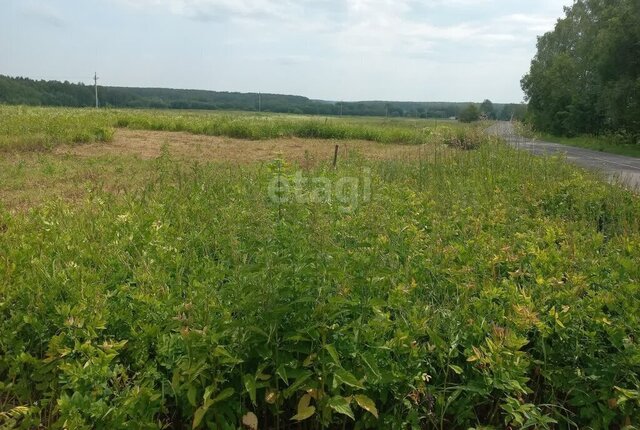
{"x": 513, "y": 111}
{"x": 470, "y": 114}
{"x": 585, "y": 77}
{"x": 487, "y": 109}
{"x": 53, "y": 93}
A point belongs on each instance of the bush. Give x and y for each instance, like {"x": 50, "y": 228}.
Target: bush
{"x": 470, "y": 114}
{"x": 464, "y": 139}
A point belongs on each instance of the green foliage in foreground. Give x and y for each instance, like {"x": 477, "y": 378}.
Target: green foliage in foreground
{"x": 40, "y": 128}
{"x": 491, "y": 289}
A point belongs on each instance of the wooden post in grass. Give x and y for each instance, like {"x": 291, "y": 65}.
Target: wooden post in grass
{"x": 335, "y": 157}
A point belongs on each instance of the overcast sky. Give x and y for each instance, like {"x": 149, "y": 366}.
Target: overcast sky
{"x": 428, "y": 50}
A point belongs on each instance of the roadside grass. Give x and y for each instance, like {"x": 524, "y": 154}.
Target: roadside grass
{"x": 474, "y": 288}
{"x": 39, "y": 128}
{"x": 597, "y": 143}
{"x": 608, "y": 144}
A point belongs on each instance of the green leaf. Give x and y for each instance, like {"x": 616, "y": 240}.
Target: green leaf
{"x": 258, "y": 330}
{"x": 304, "y": 409}
{"x": 199, "y": 415}
{"x": 341, "y": 406}
{"x": 304, "y": 376}
{"x": 304, "y": 402}
{"x": 191, "y": 395}
{"x": 224, "y": 356}
{"x": 341, "y": 376}
{"x": 309, "y": 360}
{"x": 208, "y": 392}
{"x": 282, "y": 373}
{"x": 333, "y": 353}
{"x": 224, "y": 394}
{"x": 374, "y": 370}
{"x": 175, "y": 380}
{"x": 250, "y": 386}
{"x": 457, "y": 369}
{"x": 626, "y": 395}
{"x": 202, "y": 410}
{"x": 304, "y": 413}
{"x": 367, "y": 404}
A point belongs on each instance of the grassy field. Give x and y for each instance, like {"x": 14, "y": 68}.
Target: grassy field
{"x": 28, "y": 128}
{"x": 435, "y": 279}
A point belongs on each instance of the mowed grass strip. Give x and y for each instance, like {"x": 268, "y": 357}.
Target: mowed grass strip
{"x": 72, "y": 172}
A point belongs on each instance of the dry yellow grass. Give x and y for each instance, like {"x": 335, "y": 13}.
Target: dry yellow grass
{"x": 70, "y": 173}
{"x": 185, "y": 146}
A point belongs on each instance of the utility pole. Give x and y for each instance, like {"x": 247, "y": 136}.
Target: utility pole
{"x": 341, "y": 105}
{"x": 259, "y": 102}
{"x": 95, "y": 80}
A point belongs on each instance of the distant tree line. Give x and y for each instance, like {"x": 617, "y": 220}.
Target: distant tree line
{"x": 489, "y": 111}
{"x": 54, "y": 93}
{"x": 585, "y": 77}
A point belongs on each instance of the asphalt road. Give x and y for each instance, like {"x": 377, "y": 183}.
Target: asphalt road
{"x": 618, "y": 168}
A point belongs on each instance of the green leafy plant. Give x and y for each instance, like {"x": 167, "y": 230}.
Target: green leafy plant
{"x": 486, "y": 288}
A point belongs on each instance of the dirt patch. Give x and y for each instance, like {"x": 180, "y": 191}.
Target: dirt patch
{"x": 151, "y": 144}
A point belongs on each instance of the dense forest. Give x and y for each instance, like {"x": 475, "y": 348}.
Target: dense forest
{"x": 585, "y": 77}
{"x": 54, "y": 93}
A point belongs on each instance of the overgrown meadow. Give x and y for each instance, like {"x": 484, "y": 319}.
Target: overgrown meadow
{"x": 35, "y": 128}
{"x": 477, "y": 287}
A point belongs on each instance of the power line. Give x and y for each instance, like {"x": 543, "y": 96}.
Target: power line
{"x": 95, "y": 80}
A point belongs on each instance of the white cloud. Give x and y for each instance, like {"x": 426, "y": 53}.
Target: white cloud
{"x": 363, "y": 41}
{"x": 398, "y": 27}
{"x": 221, "y": 9}
{"x": 44, "y": 13}
{"x": 537, "y": 24}
{"x": 384, "y": 26}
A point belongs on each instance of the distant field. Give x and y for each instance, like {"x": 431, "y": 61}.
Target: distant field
{"x": 191, "y": 270}
{"x": 41, "y": 128}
